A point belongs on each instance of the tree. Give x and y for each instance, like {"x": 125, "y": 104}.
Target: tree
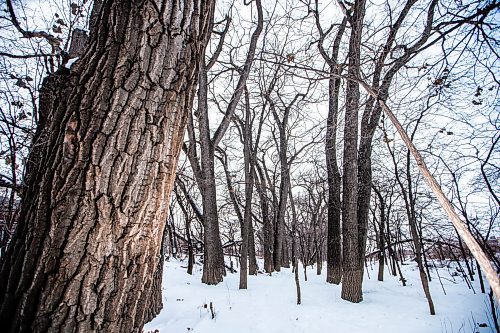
{"x": 409, "y": 201}
{"x": 267, "y": 228}
{"x": 102, "y": 165}
{"x": 461, "y": 226}
{"x": 352, "y": 244}
{"x": 244, "y": 125}
{"x": 334, "y": 242}
{"x": 381, "y": 234}
{"x": 204, "y": 165}
{"x": 24, "y": 62}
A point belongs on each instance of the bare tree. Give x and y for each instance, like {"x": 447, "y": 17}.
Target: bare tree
{"x": 409, "y": 200}
{"x": 204, "y": 165}
{"x": 352, "y": 241}
{"x": 334, "y": 247}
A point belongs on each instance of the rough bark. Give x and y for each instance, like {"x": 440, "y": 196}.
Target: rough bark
{"x": 86, "y": 254}
{"x": 353, "y": 263}
{"x": 213, "y": 257}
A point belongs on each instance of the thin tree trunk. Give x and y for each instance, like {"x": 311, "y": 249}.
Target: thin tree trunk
{"x": 481, "y": 282}
{"x": 464, "y": 256}
{"x": 170, "y": 221}
{"x": 187, "y": 221}
{"x": 294, "y": 249}
{"x": 285, "y": 261}
{"x": 213, "y": 256}
{"x": 410, "y": 212}
{"x": 168, "y": 233}
{"x": 203, "y": 167}
{"x": 279, "y": 241}
{"x": 253, "y": 267}
{"x": 247, "y": 218}
{"x": 390, "y": 250}
{"x": 260, "y": 182}
{"x": 334, "y": 239}
{"x": 249, "y": 161}
{"x": 381, "y": 238}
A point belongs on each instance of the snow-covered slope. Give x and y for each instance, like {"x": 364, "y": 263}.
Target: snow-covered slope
{"x": 269, "y": 305}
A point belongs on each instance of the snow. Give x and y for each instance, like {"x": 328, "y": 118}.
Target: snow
{"x": 71, "y": 62}
{"x": 269, "y": 304}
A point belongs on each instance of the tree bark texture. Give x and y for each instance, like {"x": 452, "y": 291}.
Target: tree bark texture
{"x": 86, "y": 256}
{"x": 353, "y": 253}
{"x": 334, "y": 239}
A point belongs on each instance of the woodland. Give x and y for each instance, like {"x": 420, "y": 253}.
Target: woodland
{"x": 243, "y": 138}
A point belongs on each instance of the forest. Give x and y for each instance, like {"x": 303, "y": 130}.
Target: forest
{"x": 249, "y": 165}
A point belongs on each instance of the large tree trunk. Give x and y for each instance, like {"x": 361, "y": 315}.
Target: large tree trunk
{"x": 85, "y": 257}
{"x": 371, "y": 116}
{"x": 353, "y": 253}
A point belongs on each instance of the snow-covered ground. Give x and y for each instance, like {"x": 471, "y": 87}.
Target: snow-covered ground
{"x": 269, "y": 305}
